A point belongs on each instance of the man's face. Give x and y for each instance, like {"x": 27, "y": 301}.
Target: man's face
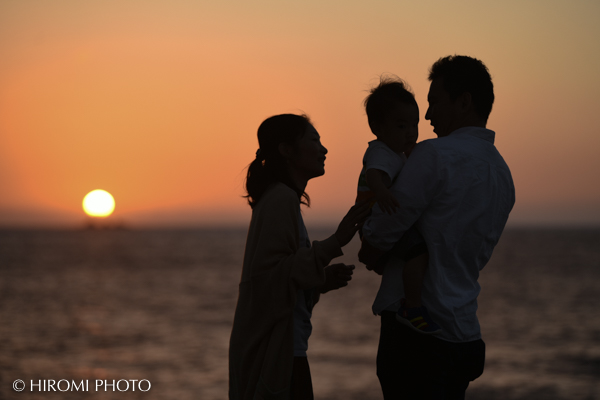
{"x": 442, "y": 112}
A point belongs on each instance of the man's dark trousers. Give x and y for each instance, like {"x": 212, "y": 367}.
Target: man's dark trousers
{"x": 414, "y": 366}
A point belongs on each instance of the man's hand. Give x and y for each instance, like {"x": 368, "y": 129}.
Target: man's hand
{"x": 336, "y": 276}
{"x": 369, "y": 256}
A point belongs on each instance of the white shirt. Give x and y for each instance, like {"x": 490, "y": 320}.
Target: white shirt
{"x": 459, "y": 192}
{"x": 381, "y": 157}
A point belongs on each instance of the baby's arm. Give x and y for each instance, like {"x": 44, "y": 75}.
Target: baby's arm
{"x": 378, "y": 182}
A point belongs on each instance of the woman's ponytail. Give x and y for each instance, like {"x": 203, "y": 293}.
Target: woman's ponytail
{"x": 270, "y": 166}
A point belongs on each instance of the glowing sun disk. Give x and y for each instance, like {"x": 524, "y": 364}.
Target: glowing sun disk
{"x": 98, "y": 203}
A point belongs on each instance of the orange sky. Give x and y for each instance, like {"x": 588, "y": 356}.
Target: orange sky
{"x": 158, "y": 102}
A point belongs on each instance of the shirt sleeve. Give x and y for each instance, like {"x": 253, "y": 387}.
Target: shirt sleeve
{"x": 415, "y": 189}
{"x": 379, "y": 156}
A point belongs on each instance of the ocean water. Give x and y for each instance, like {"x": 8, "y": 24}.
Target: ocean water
{"x": 158, "y": 306}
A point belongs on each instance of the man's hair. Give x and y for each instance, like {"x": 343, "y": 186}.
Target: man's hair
{"x": 462, "y": 74}
{"x": 383, "y": 97}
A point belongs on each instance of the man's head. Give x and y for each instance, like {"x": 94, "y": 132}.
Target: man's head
{"x": 393, "y": 114}
{"x": 461, "y": 94}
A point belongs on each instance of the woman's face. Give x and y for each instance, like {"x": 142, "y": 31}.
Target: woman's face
{"x": 308, "y": 158}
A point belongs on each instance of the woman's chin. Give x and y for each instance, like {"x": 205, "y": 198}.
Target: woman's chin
{"x": 318, "y": 173}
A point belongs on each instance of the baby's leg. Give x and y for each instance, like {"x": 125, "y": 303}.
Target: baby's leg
{"x": 413, "y": 275}
{"x": 411, "y": 312}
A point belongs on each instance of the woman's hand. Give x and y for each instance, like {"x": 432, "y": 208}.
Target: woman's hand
{"x": 352, "y": 222}
{"x": 336, "y": 276}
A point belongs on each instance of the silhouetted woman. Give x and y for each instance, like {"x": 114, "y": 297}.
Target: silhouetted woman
{"x": 283, "y": 275}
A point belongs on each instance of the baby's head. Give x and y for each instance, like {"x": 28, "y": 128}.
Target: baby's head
{"x": 393, "y": 114}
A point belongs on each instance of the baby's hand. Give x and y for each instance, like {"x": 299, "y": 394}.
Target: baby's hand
{"x": 387, "y": 201}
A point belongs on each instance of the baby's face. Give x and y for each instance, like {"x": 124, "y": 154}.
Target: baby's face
{"x": 400, "y": 129}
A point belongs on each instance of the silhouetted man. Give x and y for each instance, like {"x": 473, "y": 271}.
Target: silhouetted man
{"x": 458, "y": 191}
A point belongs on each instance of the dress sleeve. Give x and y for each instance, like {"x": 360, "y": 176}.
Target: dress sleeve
{"x": 273, "y": 243}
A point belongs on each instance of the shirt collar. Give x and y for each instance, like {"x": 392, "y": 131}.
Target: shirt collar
{"x": 481, "y": 133}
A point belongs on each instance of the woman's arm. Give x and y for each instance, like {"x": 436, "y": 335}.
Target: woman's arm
{"x": 272, "y": 250}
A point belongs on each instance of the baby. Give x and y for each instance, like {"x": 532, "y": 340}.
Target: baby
{"x": 393, "y": 116}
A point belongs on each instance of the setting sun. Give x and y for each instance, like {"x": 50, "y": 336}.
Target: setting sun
{"x": 98, "y": 203}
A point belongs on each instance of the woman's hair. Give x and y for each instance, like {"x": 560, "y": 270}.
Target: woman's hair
{"x": 270, "y": 166}
{"x": 383, "y": 97}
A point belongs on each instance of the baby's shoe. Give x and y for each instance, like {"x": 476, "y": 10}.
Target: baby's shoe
{"x": 418, "y": 319}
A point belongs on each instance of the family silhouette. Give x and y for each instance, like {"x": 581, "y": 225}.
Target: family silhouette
{"x": 429, "y": 216}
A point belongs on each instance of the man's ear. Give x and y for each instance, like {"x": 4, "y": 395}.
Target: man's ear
{"x": 464, "y": 102}
{"x": 285, "y": 149}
